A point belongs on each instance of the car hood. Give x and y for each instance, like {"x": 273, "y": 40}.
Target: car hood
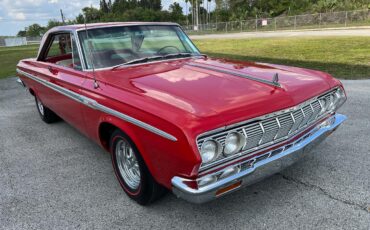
{"x": 205, "y": 89}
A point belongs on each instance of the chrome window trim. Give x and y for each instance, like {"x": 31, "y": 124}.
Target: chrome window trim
{"x": 233, "y": 127}
{"x": 75, "y": 34}
{"x": 126, "y": 25}
{"x": 95, "y": 105}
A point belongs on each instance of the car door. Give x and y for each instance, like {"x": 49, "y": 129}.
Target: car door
{"x": 62, "y": 67}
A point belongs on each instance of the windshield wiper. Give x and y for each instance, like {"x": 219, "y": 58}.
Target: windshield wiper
{"x": 167, "y": 56}
{"x": 138, "y": 60}
{"x": 182, "y": 55}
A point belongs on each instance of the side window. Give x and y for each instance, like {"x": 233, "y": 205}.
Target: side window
{"x": 61, "y": 45}
{"x": 63, "y": 51}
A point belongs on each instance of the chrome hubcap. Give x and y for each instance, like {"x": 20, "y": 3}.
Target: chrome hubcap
{"x": 40, "y": 107}
{"x": 128, "y": 165}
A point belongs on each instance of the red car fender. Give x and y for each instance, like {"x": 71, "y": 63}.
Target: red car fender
{"x": 160, "y": 159}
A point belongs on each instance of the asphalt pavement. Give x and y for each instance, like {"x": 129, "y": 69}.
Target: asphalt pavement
{"x": 52, "y": 177}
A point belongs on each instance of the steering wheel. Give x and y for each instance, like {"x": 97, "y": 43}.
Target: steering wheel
{"x": 123, "y": 51}
{"x": 166, "y": 47}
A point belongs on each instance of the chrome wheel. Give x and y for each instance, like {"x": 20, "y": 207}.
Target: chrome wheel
{"x": 127, "y": 163}
{"x": 40, "y": 106}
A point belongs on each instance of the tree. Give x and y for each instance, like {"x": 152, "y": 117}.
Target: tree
{"x": 22, "y": 33}
{"x": 53, "y": 23}
{"x": 35, "y": 30}
{"x": 91, "y": 14}
{"x": 104, "y": 6}
{"x": 151, "y": 4}
{"x": 176, "y": 12}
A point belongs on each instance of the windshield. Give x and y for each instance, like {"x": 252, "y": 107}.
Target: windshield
{"x": 114, "y": 46}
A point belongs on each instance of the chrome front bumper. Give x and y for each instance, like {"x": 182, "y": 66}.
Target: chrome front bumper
{"x": 261, "y": 168}
{"x": 19, "y": 81}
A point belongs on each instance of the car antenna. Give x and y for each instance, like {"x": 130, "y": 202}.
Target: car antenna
{"x": 89, "y": 45}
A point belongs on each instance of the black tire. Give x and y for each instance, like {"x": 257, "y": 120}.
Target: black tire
{"x": 147, "y": 190}
{"x": 45, "y": 113}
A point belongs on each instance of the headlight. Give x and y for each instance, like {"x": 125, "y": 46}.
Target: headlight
{"x": 340, "y": 98}
{"x": 324, "y": 105}
{"x": 332, "y": 100}
{"x": 210, "y": 150}
{"x": 233, "y": 143}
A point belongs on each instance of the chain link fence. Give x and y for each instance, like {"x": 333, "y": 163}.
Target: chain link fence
{"x": 307, "y": 21}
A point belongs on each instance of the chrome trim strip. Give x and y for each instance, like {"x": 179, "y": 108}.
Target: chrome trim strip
{"x": 118, "y": 24}
{"x": 263, "y": 133}
{"x": 259, "y": 168}
{"x": 275, "y": 84}
{"x": 95, "y": 105}
{"x": 19, "y": 81}
{"x": 279, "y": 125}
{"x": 78, "y": 44}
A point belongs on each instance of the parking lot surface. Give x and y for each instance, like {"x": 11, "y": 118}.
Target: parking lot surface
{"x": 52, "y": 177}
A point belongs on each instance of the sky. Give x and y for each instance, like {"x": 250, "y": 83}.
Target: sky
{"x": 15, "y": 15}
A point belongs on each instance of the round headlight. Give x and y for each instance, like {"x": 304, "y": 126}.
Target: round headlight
{"x": 325, "y": 104}
{"x": 331, "y": 102}
{"x": 340, "y": 98}
{"x": 209, "y": 151}
{"x": 233, "y": 143}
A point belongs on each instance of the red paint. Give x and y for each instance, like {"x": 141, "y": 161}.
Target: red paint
{"x": 181, "y": 100}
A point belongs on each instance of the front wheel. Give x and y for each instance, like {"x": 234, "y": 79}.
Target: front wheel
{"x": 131, "y": 171}
{"x": 45, "y": 113}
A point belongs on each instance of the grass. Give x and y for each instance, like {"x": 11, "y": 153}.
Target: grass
{"x": 9, "y": 57}
{"x": 343, "y": 57}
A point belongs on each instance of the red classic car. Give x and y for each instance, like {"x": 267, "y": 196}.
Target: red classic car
{"x": 173, "y": 118}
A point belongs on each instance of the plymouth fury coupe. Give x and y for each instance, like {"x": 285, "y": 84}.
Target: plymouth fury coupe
{"x": 173, "y": 118}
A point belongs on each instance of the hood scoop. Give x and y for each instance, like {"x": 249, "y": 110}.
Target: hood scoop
{"x": 274, "y": 82}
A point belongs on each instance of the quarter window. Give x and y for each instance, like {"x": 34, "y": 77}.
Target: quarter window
{"x": 63, "y": 51}
{"x": 61, "y": 45}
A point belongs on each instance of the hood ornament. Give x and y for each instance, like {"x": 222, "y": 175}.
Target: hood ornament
{"x": 275, "y": 79}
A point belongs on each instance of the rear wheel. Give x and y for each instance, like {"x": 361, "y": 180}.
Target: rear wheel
{"x": 131, "y": 171}
{"x": 45, "y": 113}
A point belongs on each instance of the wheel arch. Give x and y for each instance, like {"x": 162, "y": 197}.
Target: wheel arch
{"x": 107, "y": 127}
{"x": 32, "y": 92}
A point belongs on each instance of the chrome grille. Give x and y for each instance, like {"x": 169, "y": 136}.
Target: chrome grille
{"x": 272, "y": 128}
